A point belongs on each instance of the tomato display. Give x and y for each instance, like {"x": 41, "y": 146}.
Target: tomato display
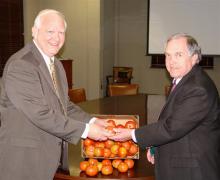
{"x": 92, "y": 167}
{"x": 109, "y": 148}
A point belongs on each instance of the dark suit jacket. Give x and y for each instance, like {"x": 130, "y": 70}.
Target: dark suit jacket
{"x": 187, "y": 134}
{"x": 32, "y": 120}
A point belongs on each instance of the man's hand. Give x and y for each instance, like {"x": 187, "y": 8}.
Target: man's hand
{"x": 98, "y": 132}
{"x": 121, "y": 134}
{"x": 101, "y": 122}
{"x": 150, "y": 157}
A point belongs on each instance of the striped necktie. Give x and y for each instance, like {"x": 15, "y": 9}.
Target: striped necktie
{"x": 55, "y": 83}
{"x": 173, "y": 85}
{"x": 53, "y": 75}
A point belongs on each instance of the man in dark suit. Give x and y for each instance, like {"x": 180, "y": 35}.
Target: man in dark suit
{"x": 186, "y": 137}
{"x": 36, "y": 114}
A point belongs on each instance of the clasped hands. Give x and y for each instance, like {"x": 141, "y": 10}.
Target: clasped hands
{"x": 98, "y": 131}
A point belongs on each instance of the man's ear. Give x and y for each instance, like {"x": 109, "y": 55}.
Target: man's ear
{"x": 34, "y": 32}
{"x": 195, "y": 59}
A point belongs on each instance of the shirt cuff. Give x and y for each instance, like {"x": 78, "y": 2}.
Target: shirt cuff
{"x": 86, "y": 131}
{"x": 133, "y": 136}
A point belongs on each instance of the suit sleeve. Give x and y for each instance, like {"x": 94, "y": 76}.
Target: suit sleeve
{"x": 24, "y": 89}
{"x": 180, "y": 116}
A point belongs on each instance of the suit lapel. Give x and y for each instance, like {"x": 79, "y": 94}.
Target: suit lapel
{"x": 42, "y": 66}
{"x": 179, "y": 85}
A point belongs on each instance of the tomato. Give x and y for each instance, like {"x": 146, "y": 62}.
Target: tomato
{"x": 100, "y": 144}
{"x": 114, "y": 149}
{"x": 122, "y": 152}
{"x": 126, "y": 144}
{"x": 131, "y": 124}
{"x": 122, "y": 167}
{"x": 106, "y": 162}
{"x": 98, "y": 152}
{"x": 83, "y": 165}
{"x": 89, "y": 151}
{"x": 92, "y": 170}
{"x": 133, "y": 149}
{"x": 120, "y": 126}
{"x": 88, "y": 142}
{"x": 93, "y": 161}
{"x": 116, "y": 162}
{"x": 109, "y": 143}
{"x": 107, "y": 153}
{"x": 111, "y": 122}
{"x": 107, "y": 169}
{"x": 130, "y": 163}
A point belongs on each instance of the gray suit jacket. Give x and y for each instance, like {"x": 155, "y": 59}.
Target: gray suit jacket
{"x": 187, "y": 134}
{"x": 32, "y": 121}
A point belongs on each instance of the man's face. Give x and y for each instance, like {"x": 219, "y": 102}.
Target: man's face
{"x": 178, "y": 60}
{"x": 50, "y": 35}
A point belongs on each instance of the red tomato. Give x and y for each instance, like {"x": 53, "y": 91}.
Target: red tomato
{"x": 122, "y": 152}
{"x": 130, "y": 163}
{"x": 99, "y": 152}
{"x": 116, "y": 162}
{"x": 92, "y": 170}
{"x": 131, "y": 124}
{"x": 111, "y": 122}
{"x": 88, "y": 142}
{"x": 122, "y": 167}
{"x": 93, "y": 161}
{"x": 106, "y": 162}
{"x": 114, "y": 149}
{"x": 126, "y": 144}
{"x": 83, "y": 165}
{"x": 89, "y": 151}
{"x": 120, "y": 126}
{"x": 133, "y": 149}
{"x": 107, "y": 169}
{"x": 109, "y": 143}
{"x": 107, "y": 153}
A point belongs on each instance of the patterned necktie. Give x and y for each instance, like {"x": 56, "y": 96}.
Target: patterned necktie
{"x": 55, "y": 83}
{"x": 64, "y": 146}
{"x": 174, "y": 85}
{"x": 53, "y": 76}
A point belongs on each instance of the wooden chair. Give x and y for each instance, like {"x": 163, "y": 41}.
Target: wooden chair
{"x": 77, "y": 95}
{"x": 122, "y": 89}
{"x": 120, "y": 75}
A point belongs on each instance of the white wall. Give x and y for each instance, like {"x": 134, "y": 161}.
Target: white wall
{"x": 131, "y": 48}
{"x": 82, "y": 38}
{"x": 103, "y": 33}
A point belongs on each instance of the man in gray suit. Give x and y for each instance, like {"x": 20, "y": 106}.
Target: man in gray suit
{"x": 186, "y": 137}
{"x": 36, "y": 115}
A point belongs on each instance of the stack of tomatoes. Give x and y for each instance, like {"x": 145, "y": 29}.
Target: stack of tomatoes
{"x": 109, "y": 148}
{"x": 92, "y": 166}
{"x": 121, "y": 153}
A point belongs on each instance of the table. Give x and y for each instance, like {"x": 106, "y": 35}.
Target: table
{"x": 118, "y": 105}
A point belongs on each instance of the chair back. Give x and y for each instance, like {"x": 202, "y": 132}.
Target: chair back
{"x": 122, "y": 89}
{"x": 122, "y": 74}
{"x": 77, "y": 95}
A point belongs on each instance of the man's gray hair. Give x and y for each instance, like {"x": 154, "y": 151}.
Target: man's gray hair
{"x": 37, "y": 20}
{"x": 192, "y": 44}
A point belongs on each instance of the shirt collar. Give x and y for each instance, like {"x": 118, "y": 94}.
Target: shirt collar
{"x": 45, "y": 57}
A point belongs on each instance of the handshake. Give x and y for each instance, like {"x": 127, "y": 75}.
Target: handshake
{"x": 101, "y": 130}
